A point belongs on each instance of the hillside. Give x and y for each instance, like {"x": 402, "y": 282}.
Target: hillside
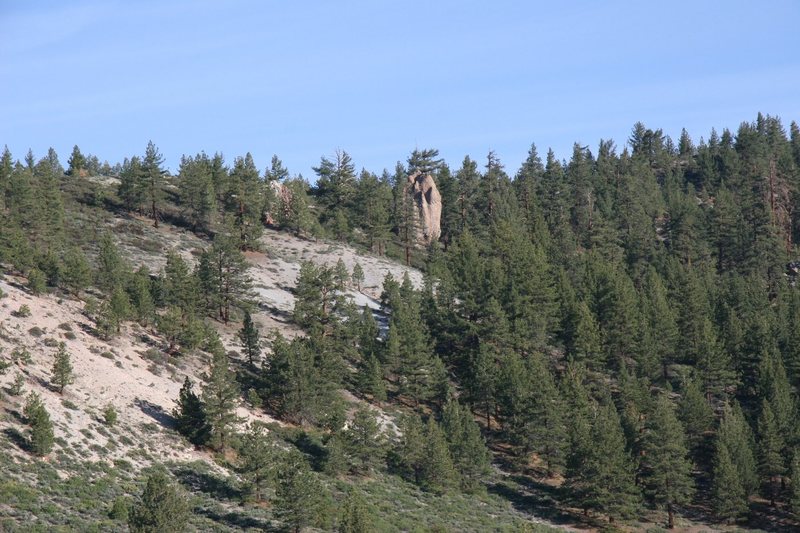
{"x": 608, "y": 342}
{"x": 94, "y": 464}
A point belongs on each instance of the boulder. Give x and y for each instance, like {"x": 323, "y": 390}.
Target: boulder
{"x": 428, "y": 201}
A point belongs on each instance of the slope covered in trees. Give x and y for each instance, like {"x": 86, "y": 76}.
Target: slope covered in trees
{"x": 622, "y": 326}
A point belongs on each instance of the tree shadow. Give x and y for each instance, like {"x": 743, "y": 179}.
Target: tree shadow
{"x": 17, "y": 438}
{"x": 207, "y": 483}
{"x": 530, "y": 496}
{"x": 45, "y": 384}
{"x": 17, "y": 415}
{"x": 276, "y": 313}
{"x": 89, "y": 330}
{"x": 767, "y": 518}
{"x": 156, "y": 412}
{"x": 313, "y": 448}
{"x": 238, "y": 520}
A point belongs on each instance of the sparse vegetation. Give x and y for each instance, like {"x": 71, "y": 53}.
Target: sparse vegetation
{"x": 17, "y": 385}
{"x": 110, "y": 415}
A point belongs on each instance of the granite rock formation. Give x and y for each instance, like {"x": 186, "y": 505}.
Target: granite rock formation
{"x": 428, "y": 201}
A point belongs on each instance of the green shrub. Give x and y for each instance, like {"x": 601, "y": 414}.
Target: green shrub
{"x": 23, "y": 312}
{"x": 36, "y": 331}
{"x": 37, "y": 283}
{"x": 254, "y": 399}
{"x": 119, "y": 509}
{"x": 90, "y": 307}
{"x": 21, "y": 354}
{"x": 18, "y": 384}
{"x": 110, "y": 415}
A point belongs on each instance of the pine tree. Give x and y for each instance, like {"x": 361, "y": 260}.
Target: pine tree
{"x": 437, "y": 472}
{"x": 712, "y": 362}
{"x": 41, "y": 434}
{"x": 111, "y": 267}
{"x": 179, "y": 287}
{"x": 62, "y": 371}
{"x": 220, "y": 398}
{"x": 354, "y": 516}
{"x": 409, "y": 451}
{"x": 340, "y": 274}
{"x": 363, "y": 440}
{"x": 318, "y": 299}
{"x": 358, "y": 276}
{"x": 527, "y": 292}
{"x": 794, "y": 499}
{"x": 335, "y": 191}
{"x": 616, "y": 307}
{"x": 190, "y": 415}
{"x": 374, "y": 204}
{"x": 301, "y": 391}
{"x": 106, "y": 321}
{"x": 76, "y": 273}
{"x": 226, "y": 282}
{"x": 131, "y": 187}
{"x": 526, "y": 183}
{"x": 408, "y": 350}
{"x": 770, "y": 444}
{"x": 586, "y": 344}
{"x": 152, "y": 176}
{"x": 601, "y": 475}
{"x": 141, "y": 296}
{"x": 196, "y": 190}
{"x": 258, "y": 456}
{"x": 249, "y": 337}
{"x": 119, "y": 306}
{"x": 370, "y": 378}
{"x": 774, "y": 387}
{"x": 666, "y": 465}
{"x": 336, "y": 460}
{"x": 276, "y": 171}
{"x": 37, "y": 283}
{"x": 405, "y": 216}
{"x": 544, "y": 428}
{"x": 299, "y": 495}
{"x": 659, "y": 324}
{"x": 76, "y": 162}
{"x": 728, "y": 496}
{"x": 162, "y": 508}
{"x": 245, "y": 200}
{"x": 736, "y": 435}
{"x": 471, "y": 458}
{"x": 696, "y": 415}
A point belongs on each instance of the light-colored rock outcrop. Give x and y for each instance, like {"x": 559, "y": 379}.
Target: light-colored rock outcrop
{"x": 283, "y": 199}
{"x": 429, "y": 205}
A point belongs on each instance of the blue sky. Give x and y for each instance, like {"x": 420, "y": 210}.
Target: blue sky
{"x": 379, "y": 78}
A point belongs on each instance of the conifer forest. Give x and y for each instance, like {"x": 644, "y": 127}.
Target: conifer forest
{"x": 607, "y": 340}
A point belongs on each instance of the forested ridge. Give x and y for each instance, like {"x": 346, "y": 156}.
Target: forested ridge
{"x": 621, "y": 326}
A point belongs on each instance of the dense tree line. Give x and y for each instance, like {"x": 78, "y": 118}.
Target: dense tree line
{"x": 627, "y": 318}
